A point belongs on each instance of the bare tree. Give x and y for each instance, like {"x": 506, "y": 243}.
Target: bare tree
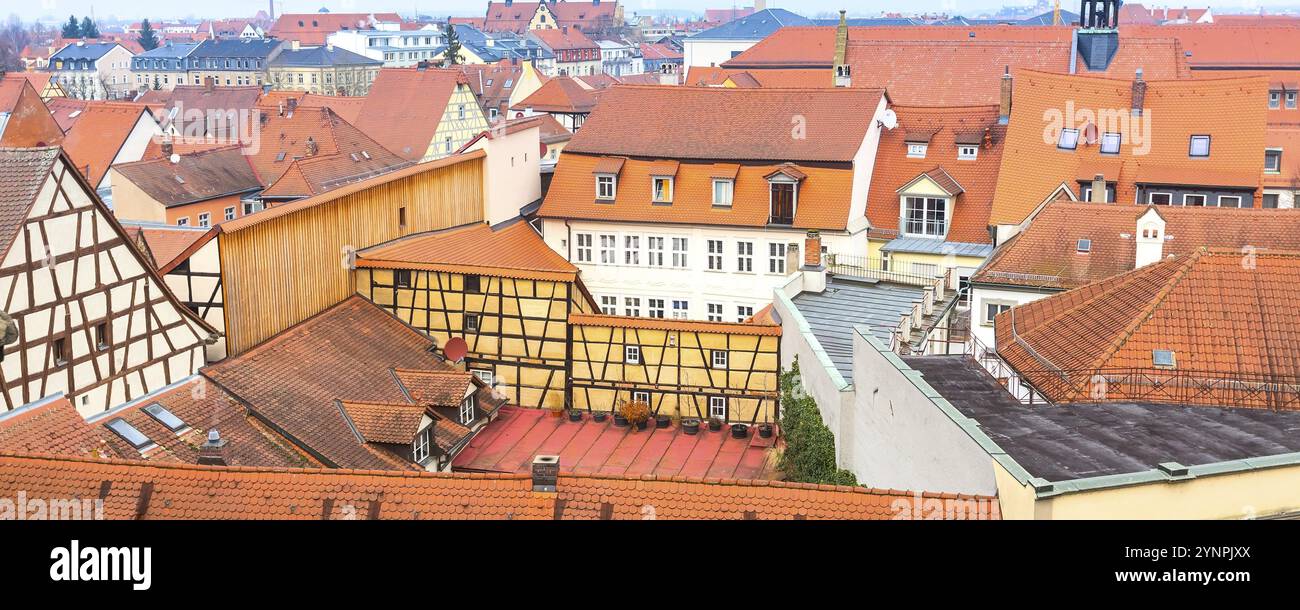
{"x": 14, "y": 37}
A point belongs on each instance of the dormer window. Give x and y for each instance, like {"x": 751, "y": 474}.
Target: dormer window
{"x": 606, "y": 186}
{"x": 1273, "y": 160}
{"x": 723, "y": 191}
{"x": 662, "y": 187}
{"x": 925, "y": 216}
{"x": 1199, "y": 147}
{"x": 1068, "y": 140}
{"x": 1274, "y": 100}
{"x": 916, "y": 150}
{"x": 1110, "y": 143}
{"x": 967, "y": 152}
{"x": 1290, "y": 100}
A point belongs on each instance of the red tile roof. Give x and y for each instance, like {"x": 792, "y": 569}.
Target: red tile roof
{"x": 405, "y": 106}
{"x": 1046, "y": 254}
{"x": 193, "y": 178}
{"x": 1033, "y": 167}
{"x": 435, "y": 388}
{"x": 204, "y": 492}
{"x": 284, "y": 160}
{"x": 315, "y": 28}
{"x": 731, "y": 124}
{"x": 563, "y": 39}
{"x": 1230, "y": 45}
{"x": 383, "y": 422}
{"x": 976, "y": 178}
{"x": 66, "y": 110}
{"x": 28, "y": 122}
{"x": 509, "y": 444}
{"x": 1286, "y": 137}
{"x": 514, "y": 251}
{"x": 346, "y": 353}
{"x": 1225, "y": 314}
{"x": 98, "y": 134}
{"x": 577, "y": 14}
{"x": 165, "y": 245}
{"x": 561, "y": 94}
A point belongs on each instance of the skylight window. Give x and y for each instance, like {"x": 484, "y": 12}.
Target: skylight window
{"x": 129, "y": 433}
{"x": 165, "y": 417}
{"x": 1163, "y": 358}
{"x": 1084, "y": 246}
{"x": 1200, "y": 146}
{"x": 1068, "y": 140}
{"x": 1110, "y": 143}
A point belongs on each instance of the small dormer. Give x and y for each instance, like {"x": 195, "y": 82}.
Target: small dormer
{"x": 1149, "y": 238}
{"x": 783, "y": 185}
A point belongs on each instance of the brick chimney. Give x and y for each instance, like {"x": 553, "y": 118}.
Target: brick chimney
{"x": 1004, "y": 103}
{"x": 167, "y": 147}
{"x": 312, "y": 147}
{"x": 546, "y": 473}
{"x": 1098, "y": 189}
{"x": 1149, "y": 238}
{"x": 1139, "y": 93}
{"x": 214, "y": 452}
{"x": 843, "y": 71}
{"x": 813, "y": 271}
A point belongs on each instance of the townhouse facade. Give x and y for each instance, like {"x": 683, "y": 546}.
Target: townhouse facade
{"x": 575, "y": 54}
{"x": 162, "y": 68}
{"x": 92, "y": 70}
{"x": 233, "y": 63}
{"x": 687, "y": 225}
{"x": 394, "y": 47}
{"x": 327, "y": 70}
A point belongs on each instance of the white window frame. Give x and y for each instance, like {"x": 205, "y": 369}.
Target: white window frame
{"x": 654, "y": 189}
{"x": 632, "y": 354}
{"x": 715, "y": 254}
{"x": 608, "y": 249}
{"x": 714, "y": 312}
{"x": 609, "y": 305}
{"x": 1274, "y": 100}
{"x": 1001, "y": 305}
{"x": 467, "y": 410}
{"x": 183, "y": 221}
{"x": 1290, "y": 100}
{"x": 967, "y": 152}
{"x": 681, "y": 252}
{"x": 926, "y": 203}
{"x": 719, "y": 358}
{"x": 484, "y": 375}
{"x": 718, "y": 407}
{"x": 1205, "y": 200}
{"x": 654, "y": 307}
{"x": 205, "y": 219}
{"x": 745, "y": 256}
{"x": 1273, "y": 153}
{"x": 230, "y": 213}
{"x": 681, "y": 309}
{"x": 728, "y": 193}
{"x": 1218, "y": 202}
{"x": 632, "y": 250}
{"x": 1151, "y": 198}
{"x": 632, "y": 307}
{"x": 477, "y": 322}
{"x": 641, "y": 395}
{"x": 654, "y": 251}
{"x": 917, "y": 150}
{"x": 609, "y": 180}
{"x": 744, "y": 312}
{"x": 420, "y": 446}
{"x": 584, "y": 247}
{"x": 776, "y": 253}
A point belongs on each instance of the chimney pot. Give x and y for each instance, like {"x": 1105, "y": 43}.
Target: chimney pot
{"x": 215, "y": 451}
{"x": 546, "y": 472}
{"x": 1004, "y": 104}
{"x": 1098, "y": 189}
{"x": 812, "y": 249}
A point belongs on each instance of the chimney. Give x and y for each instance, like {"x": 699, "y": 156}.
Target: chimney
{"x": 209, "y": 83}
{"x": 1139, "y": 93}
{"x": 843, "y": 71}
{"x": 280, "y": 106}
{"x": 1004, "y": 105}
{"x": 312, "y": 148}
{"x": 546, "y": 473}
{"x": 1098, "y": 189}
{"x": 214, "y": 452}
{"x": 813, "y": 271}
{"x": 1150, "y": 239}
{"x": 167, "y": 147}
{"x": 293, "y": 104}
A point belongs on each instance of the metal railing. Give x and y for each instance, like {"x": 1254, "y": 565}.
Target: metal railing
{"x": 1200, "y": 388}
{"x": 902, "y": 272}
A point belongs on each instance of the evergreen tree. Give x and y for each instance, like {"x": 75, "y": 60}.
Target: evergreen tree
{"x": 148, "y": 39}
{"x": 452, "y": 56}
{"x": 71, "y": 29}
{"x": 88, "y": 28}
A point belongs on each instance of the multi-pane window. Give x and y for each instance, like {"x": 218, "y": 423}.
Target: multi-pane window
{"x": 776, "y": 258}
{"x": 230, "y": 213}
{"x": 471, "y": 322}
{"x": 467, "y": 410}
{"x": 1291, "y": 100}
{"x": 718, "y": 358}
{"x": 655, "y": 308}
{"x": 608, "y": 247}
{"x": 715, "y": 254}
{"x": 681, "y": 310}
{"x": 745, "y": 256}
{"x": 992, "y": 309}
{"x": 680, "y": 247}
{"x": 632, "y": 307}
{"x": 744, "y": 312}
{"x": 1274, "y": 99}
{"x": 927, "y": 216}
{"x": 654, "y": 251}
{"x": 609, "y": 305}
{"x": 605, "y": 187}
{"x": 967, "y": 152}
{"x": 916, "y": 150}
{"x": 723, "y": 192}
{"x": 420, "y": 448}
{"x": 718, "y": 407}
{"x": 663, "y": 190}
{"x": 715, "y": 312}
{"x": 583, "y": 249}
{"x": 632, "y": 249}
{"x": 632, "y": 354}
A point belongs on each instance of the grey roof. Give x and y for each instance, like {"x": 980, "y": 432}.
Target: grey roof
{"x": 89, "y": 50}
{"x": 1073, "y": 441}
{"x": 317, "y": 57}
{"x": 848, "y": 302}
{"x": 758, "y": 26}
{"x": 254, "y": 48}
{"x": 169, "y": 50}
{"x": 921, "y": 245}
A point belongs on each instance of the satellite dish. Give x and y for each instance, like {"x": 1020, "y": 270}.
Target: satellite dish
{"x": 455, "y": 349}
{"x": 175, "y": 158}
{"x": 889, "y": 119}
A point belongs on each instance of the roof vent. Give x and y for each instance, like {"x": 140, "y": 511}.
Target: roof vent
{"x": 1084, "y": 246}
{"x": 1173, "y": 469}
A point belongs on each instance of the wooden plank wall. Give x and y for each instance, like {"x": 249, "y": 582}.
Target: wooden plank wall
{"x": 283, "y": 270}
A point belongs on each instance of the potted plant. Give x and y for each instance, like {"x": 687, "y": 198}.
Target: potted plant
{"x": 620, "y": 420}
{"x": 635, "y": 412}
{"x": 715, "y": 424}
{"x": 663, "y": 421}
{"x": 557, "y": 412}
{"x": 691, "y": 426}
{"x": 739, "y": 430}
{"x": 599, "y": 416}
{"x": 575, "y": 415}
{"x": 765, "y": 430}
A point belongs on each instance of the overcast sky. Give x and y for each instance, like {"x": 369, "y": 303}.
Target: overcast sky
{"x": 170, "y": 9}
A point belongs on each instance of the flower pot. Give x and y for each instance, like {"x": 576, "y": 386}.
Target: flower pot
{"x": 739, "y": 431}
{"x": 691, "y": 426}
{"x": 663, "y": 421}
{"x": 599, "y": 416}
{"x": 641, "y": 425}
{"x": 765, "y": 430}
{"x": 575, "y": 415}
{"x": 557, "y": 413}
{"x": 620, "y": 421}
{"x": 714, "y": 426}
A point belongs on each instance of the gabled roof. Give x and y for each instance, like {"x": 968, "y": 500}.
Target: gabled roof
{"x": 1224, "y": 45}
{"x": 562, "y": 94}
{"x": 405, "y": 106}
{"x": 1154, "y": 149}
{"x": 1045, "y": 254}
{"x": 285, "y": 162}
{"x": 252, "y": 48}
{"x": 513, "y": 251}
{"x": 166, "y": 245}
{"x": 756, "y": 26}
{"x": 384, "y": 422}
{"x": 315, "y": 28}
{"x": 1223, "y": 317}
{"x": 294, "y": 380}
{"x": 435, "y": 388}
{"x": 208, "y": 492}
{"x": 195, "y": 177}
{"x": 320, "y": 57}
{"x": 730, "y": 124}
{"x": 98, "y": 134}
{"x": 563, "y": 39}
{"x": 975, "y": 179}
{"x": 79, "y": 50}
{"x": 24, "y": 119}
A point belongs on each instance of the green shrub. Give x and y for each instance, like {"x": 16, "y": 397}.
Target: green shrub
{"x": 809, "y": 445}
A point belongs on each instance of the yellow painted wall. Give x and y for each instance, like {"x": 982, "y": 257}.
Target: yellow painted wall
{"x": 460, "y": 130}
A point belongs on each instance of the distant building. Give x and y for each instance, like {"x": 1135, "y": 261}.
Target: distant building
{"x": 714, "y": 46}
{"x": 314, "y": 29}
{"x": 162, "y": 68}
{"x": 421, "y": 113}
{"x": 575, "y": 53}
{"x": 396, "y": 48}
{"x": 327, "y": 70}
{"x": 93, "y": 70}
{"x": 233, "y": 63}
{"x": 521, "y": 17}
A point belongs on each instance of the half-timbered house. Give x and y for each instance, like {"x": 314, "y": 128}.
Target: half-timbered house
{"x": 96, "y": 322}
{"x": 190, "y": 263}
